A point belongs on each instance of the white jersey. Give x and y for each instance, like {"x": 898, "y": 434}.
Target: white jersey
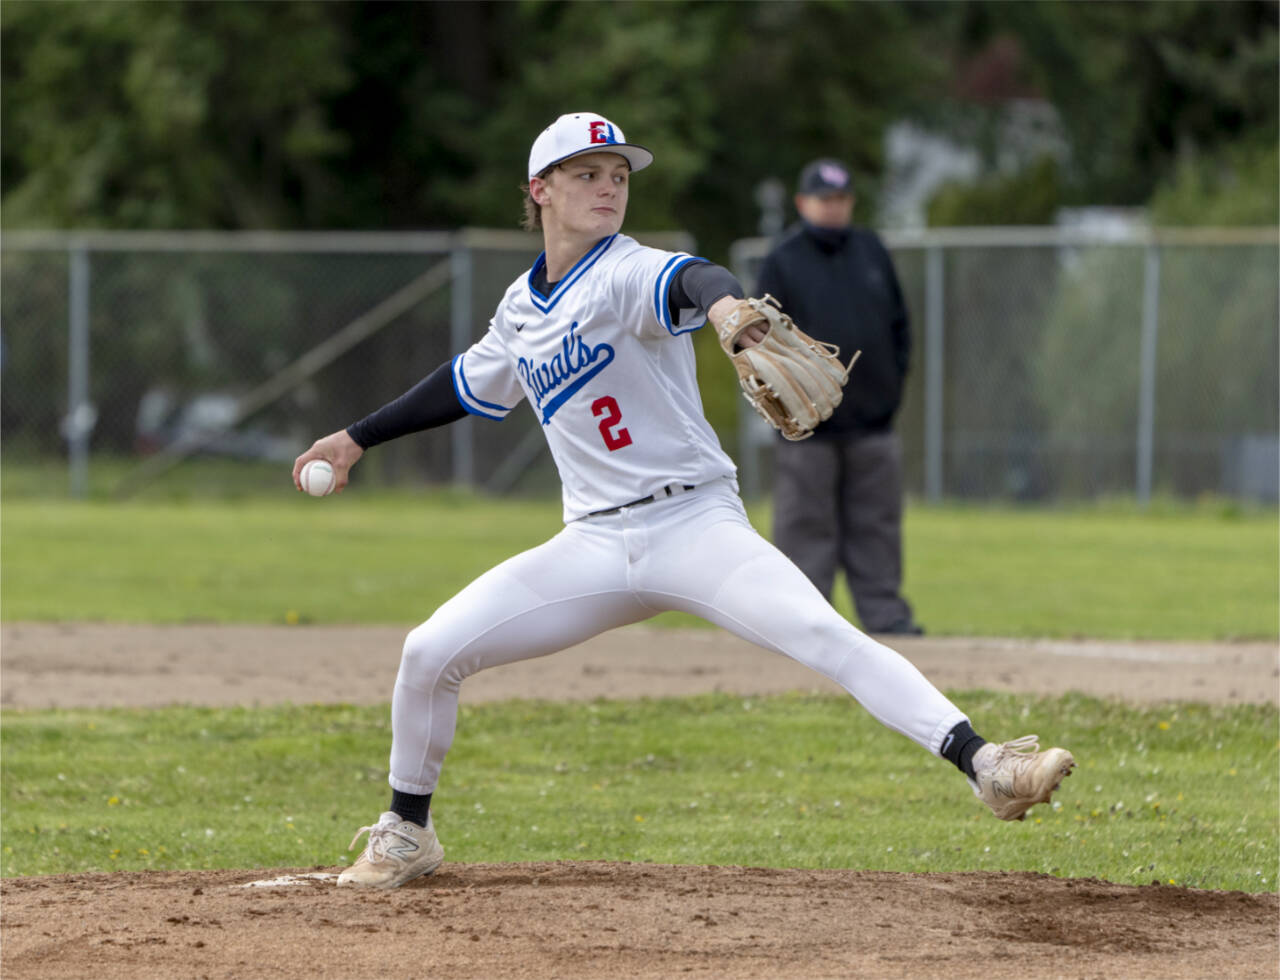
{"x": 610, "y": 376}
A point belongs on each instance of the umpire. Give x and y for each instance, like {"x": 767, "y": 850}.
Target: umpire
{"x": 838, "y": 495}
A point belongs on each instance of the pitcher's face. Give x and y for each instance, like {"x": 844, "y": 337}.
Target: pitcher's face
{"x": 586, "y": 195}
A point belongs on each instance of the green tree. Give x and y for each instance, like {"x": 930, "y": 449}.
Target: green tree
{"x": 359, "y": 115}
{"x": 160, "y": 115}
{"x": 794, "y": 81}
{"x": 1030, "y": 197}
{"x": 1144, "y": 86}
{"x": 1238, "y": 187}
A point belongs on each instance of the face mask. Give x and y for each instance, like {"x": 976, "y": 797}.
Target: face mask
{"x": 828, "y": 238}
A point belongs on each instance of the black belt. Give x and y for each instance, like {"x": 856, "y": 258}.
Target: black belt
{"x": 667, "y": 491}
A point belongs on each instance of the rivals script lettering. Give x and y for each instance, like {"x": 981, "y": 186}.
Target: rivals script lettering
{"x": 555, "y": 381}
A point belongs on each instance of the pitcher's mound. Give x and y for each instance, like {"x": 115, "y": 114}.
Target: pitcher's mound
{"x": 594, "y": 919}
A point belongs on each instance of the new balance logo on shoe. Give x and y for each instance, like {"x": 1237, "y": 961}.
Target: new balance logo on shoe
{"x": 404, "y": 848}
{"x": 398, "y": 851}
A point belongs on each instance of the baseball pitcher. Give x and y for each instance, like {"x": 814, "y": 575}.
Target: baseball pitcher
{"x": 595, "y": 339}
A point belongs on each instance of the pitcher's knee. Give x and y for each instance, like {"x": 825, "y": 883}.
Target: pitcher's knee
{"x": 427, "y": 661}
{"x": 826, "y": 630}
{"x": 830, "y": 645}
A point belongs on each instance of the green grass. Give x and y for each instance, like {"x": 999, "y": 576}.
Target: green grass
{"x": 1184, "y": 794}
{"x": 339, "y": 560}
{"x": 1175, "y": 573}
{"x": 1177, "y": 793}
{"x": 1172, "y": 573}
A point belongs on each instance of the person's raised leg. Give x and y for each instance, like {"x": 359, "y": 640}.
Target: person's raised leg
{"x": 715, "y": 565}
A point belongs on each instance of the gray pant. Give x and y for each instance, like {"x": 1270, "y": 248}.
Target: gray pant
{"x": 838, "y": 502}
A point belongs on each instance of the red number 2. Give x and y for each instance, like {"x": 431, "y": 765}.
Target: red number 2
{"x": 607, "y": 407}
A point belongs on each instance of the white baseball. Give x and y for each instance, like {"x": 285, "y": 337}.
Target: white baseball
{"x": 317, "y": 478}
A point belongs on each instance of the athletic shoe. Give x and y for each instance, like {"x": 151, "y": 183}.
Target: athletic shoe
{"x": 1013, "y": 777}
{"x": 398, "y": 851}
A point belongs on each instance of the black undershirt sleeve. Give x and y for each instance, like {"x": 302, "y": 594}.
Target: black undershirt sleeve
{"x": 428, "y": 404}
{"x": 698, "y": 285}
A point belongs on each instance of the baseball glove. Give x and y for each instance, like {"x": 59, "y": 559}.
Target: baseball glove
{"x": 792, "y": 380}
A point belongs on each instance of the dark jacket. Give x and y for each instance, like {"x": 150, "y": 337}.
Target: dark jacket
{"x": 842, "y": 289}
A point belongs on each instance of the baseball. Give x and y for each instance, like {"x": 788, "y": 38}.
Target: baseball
{"x": 317, "y": 478}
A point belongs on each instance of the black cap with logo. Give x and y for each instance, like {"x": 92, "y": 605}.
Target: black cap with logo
{"x": 825, "y": 176}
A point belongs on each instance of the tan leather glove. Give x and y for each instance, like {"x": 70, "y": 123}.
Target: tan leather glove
{"x": 792, "y": 380}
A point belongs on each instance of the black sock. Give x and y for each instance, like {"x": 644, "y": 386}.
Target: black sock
{"x": 409, "y": 807}
{"x": 960, "y": 745}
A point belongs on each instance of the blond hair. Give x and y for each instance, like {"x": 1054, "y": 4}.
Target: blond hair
{"x": 532, "y": 219}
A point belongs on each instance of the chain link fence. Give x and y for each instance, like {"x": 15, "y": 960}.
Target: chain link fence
{"x": 1049, "y": 365}
{"x": 156, "y": 348}
{"x": 1052, "y": 365}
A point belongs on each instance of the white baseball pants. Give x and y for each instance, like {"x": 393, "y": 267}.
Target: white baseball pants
{"x": 696, "y": 553}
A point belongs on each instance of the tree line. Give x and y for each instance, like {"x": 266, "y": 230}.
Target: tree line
{"x": 346, "y": 115}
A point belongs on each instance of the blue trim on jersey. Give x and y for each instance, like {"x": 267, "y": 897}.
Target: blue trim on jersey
{"x": 545, "y": 303}
{"x": 469, "y": 400}
{"x": 662, "y": 293}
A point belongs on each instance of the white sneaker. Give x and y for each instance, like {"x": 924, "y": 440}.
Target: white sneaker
{"x": 1013, "y": 777}
{"x": 398, "y": 851}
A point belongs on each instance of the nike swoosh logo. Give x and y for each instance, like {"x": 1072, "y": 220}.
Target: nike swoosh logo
{"x": 519, "y": 328}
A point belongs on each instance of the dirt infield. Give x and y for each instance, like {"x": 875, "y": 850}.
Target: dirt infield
{"x": 578, "y": 920}
{"x": 94, "y": 665}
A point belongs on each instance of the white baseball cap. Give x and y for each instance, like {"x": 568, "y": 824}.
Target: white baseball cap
{"x": 576, "y": 133}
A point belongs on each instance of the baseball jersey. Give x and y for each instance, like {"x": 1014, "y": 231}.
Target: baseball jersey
{"x": 609, "y": 374}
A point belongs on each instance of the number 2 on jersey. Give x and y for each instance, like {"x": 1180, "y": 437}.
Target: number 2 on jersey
{"x": 613, "y": 438}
